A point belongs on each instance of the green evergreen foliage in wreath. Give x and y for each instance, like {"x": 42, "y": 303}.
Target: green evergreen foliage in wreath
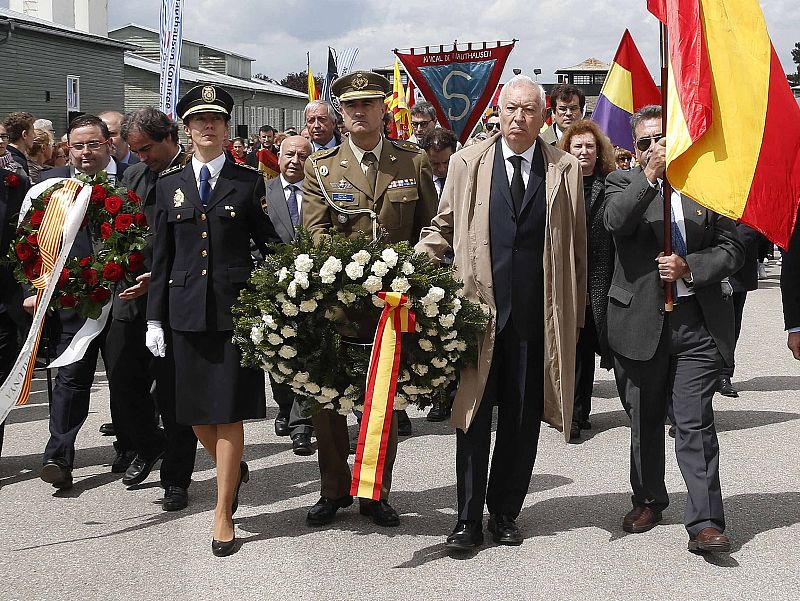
{"x": 299, "y": 319}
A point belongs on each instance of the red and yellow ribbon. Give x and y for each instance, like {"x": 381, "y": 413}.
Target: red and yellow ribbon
{"x": 376, "y": 422}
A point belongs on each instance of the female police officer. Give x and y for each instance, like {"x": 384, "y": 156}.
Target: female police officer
{"x": 207, "y": 212}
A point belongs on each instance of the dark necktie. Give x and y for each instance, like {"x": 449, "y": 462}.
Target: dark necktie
{"x": 371, "y": 161}
{"x": 291, "y": 202}
{"x": 205, "y": 185}
{"x": 678, "y": 246}
{"x": 439, "y": 185}
{"x": 517, "y": 183}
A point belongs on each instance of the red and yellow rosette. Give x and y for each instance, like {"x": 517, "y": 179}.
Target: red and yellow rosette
{"x": 376, "y": 422}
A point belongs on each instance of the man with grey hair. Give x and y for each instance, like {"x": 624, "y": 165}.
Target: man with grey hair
{"x": 122, "y": 152}
{"x": 423, "y": 120}
{"x": 512, "y": 213}
{"x": 321, "y": 123}
{"x": 46, "y": 125}
{"x": 667, "y": 362}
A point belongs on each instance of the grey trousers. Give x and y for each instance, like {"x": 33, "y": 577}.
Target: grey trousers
{"x": 683, "y": 373}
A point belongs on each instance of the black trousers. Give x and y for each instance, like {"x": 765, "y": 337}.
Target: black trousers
{"x": 291, "y": 407}
{"x": 8, "y": 353}
{"x": 588, "y": 345}
{"x": 738, "y": 299}
{"x": 516, "y": 385}
{"x": 682, "y": 374}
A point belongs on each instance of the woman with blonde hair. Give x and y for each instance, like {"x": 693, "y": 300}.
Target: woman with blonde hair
{"x": 585, "y": 141}
{"x": 40, "y": 153}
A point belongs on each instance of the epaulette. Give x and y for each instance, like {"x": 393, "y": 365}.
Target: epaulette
{"x": 171, "y": 170}
{"x": 323, "y": 152}
{"x": 405, "y": 145}
{"x": 246, "y": 166}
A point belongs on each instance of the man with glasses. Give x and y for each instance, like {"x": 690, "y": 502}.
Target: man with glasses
{"x": 566, "y": 103}
{"x": 90, "y": 154}
{"x": 512, "y": 213}
{"x": 668, "y": 362}
{"x": 492, "y": 124}
{"x": 423, "y": 120}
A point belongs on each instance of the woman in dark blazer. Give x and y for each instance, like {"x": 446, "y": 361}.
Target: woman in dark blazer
{"x": 206, "y": 214}
{"x": 594, "y": 150}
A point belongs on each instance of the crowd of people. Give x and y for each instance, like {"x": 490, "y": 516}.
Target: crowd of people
{"x": 556, "y": 231}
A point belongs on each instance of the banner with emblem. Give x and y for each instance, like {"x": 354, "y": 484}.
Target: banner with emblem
{"x": 171, "y": 40}
{"x": 458, "y": 80}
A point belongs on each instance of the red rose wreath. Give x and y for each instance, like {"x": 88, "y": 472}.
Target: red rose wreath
{"x": 118, "y": 229}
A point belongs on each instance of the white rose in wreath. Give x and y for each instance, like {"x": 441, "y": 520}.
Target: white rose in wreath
{"x": 269, "y": 321}
{"x": 400, "y": 284}
{"x": 312, "y": 388}
{"x": 430, "y": 310}
{"x": 301, "y": 377}
{"x": 378, "y": 302}
{"x": 361, "y": 257}
{"x": 347, "y": 298}
{"x": 287, "y": 352}
{"x": 345, "y": 406}
{"x": 256, "y": 335}
{"x": 373, "y": 284}
{"x": 282, "y": 274}
{"x": 308, "y": 306}
{"x": 407, "y": 268}
{"x": 437, "y": 362}
{"x": 380, "y": 269}
{"x": 289, "y": 309}
{"x": 288, "y": 332}
{"x": 303, "y": 263}
{"x": 447, "y": 321}
{"x": 284, "y": 369}
{"x": 425, "y": 344}
{"x": 274, "y": 339}
{"x": 354, "y": 270}
{"x": 291, "y": 289}
{"x": 390, "y": 256}
{"x": 329, "y": 269}
{"x": 302, "y": 279}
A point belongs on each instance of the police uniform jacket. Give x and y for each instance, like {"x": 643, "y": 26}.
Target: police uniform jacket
{"x": 201, "y": 255}
{"x": 405, "y": 198}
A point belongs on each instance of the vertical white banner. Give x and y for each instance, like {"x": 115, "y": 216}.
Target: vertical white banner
{"x": 171, "y": 38}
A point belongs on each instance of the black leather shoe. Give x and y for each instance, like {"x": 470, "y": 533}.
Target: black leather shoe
{"x": 403, "y": 424}
{"x": 122, "y": 461}
{"x": 585, "y": 424}
{"x": 281, "y": 426}
{"x": 324, "y": 511}
{"x": 725, "y": 388}
{"x": 671, "y": 432}
{"x": 108, "y": 430}
{"x": 381, "y": 513}
{"x": 504, "y": 530}
{"x": 438, "y": 413}
{"x": 223, "y": 549}
{"x": 301, "y": 444}
{"x": 139, "y": 469}
{"x": 175, "y": 498}
{"x": 244, "y": 476}
{"x": 466, "y": 535}
{"x": 57, "y": 474}
{"x": 574, "y": 432}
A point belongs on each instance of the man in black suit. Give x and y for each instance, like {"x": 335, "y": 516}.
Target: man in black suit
{"x": 742, "y": 282}
{"x": 120, "y": 148}
{"x": 19, "y": 127}
{"x": 12, "y": 191}
{"x": 790, "y": 291}
{"x": 153, "y": 138}
{"x": 285, "y": 205}
{"x": 90, "y": 154}
{"x": 671, "y": 359}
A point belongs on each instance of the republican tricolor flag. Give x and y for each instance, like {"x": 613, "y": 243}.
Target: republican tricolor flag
{"x": 627, "y": 88}
{"x": 733, "y": 126}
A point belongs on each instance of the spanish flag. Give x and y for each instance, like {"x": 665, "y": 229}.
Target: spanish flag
{"x": 733, "y": 125}
{"x": 312, "y": 85}
{"x": 267, "y": 164}
{"x": 401, "y": 117}
{"x": 627, "y": 88}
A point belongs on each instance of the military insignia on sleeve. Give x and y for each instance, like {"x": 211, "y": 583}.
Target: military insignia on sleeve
{"x": 359, "y": 82}
{"x": 209, "y": 94}
{"x": 342, "y": 184}
{"x": 392, "y": 158}
{"x": 323, "y": 171}
{"x": 342, "y": 218}
{"x": 401, "y": 183}
{"x": 178, "y": 198}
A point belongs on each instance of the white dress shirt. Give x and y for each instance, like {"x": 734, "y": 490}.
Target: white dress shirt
{"x": 527, "y": 159}
{"x": 298, "y": 194}
{"x": 110, "y": 169}
{"x": 214, "y": 167}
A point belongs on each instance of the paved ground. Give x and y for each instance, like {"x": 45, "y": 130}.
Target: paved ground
{"x": 100, "y": 541}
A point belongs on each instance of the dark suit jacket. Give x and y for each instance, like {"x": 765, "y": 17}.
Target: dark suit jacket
{"x": 279, "y": 210}
{"x": 20, "y": 158}
{"x": 201, "y": 255}
{"x": 634, "y": 216}
{"x": 10, "y": 203}
{"x": 790, "y": 280}
{"x": 746, "y": 278}
{"x": 599, "y": 263}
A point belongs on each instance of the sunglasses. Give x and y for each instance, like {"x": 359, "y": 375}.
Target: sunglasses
{"x": 645, "y": 142}
{"x": 491, "y": 126}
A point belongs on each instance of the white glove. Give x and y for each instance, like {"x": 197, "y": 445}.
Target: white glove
{"x": 154, "y": 339}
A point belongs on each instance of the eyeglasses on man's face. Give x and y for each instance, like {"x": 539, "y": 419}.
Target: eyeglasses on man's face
{"x": 490, "y": 125}
{"x": 645, "y": 142}
{"x": 93, "y": 145}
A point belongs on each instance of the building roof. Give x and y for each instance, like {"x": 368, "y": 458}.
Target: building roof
{"x": 590, "y": 64}
{"x": 203, "y": 75}
{"x": 35, "y": 24}
{"x": 155, "y": 31}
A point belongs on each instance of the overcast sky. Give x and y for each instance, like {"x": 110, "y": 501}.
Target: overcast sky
{"x": 552, "y": 35}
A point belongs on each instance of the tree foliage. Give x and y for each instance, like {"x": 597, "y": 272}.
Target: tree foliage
{"x": 299, "y": 81}
{"x": 794, "y": 78}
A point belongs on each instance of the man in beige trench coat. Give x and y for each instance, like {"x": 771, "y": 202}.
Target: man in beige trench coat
{"x": 512, "y": 211}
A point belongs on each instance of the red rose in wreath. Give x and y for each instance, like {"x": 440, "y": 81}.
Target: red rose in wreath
{"x": 68, "y": 301}
{"x": 113, "y": 271}
{"x": 33, "y": 270}
{"x": 33, "y": 239}
{"x": 63, "y": 278}
{"x": 90, "y": 276}
{"x": 113, "y": 204}
{"x": 36, "y": 218}
{"x": 135, "y": 261}
{"x": 25, "y": 252}
{"x": 86, "y": 261}
{"x": 12, "y": 181}
{"x": 100, "y": 295}
{"x": 122, "y": 222}
{"x": 134, "y": 197}
{"x": 140, "y": 220}
{"x": 106, "y": 230}
{"x": 99, "y": 194}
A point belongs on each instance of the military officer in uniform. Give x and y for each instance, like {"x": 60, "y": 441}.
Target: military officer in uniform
{"x": 206, "y": 214}
{"x": 387, "y": 181}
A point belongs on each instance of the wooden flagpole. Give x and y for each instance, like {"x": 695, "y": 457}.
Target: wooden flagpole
{"x": 666, "y": 189}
